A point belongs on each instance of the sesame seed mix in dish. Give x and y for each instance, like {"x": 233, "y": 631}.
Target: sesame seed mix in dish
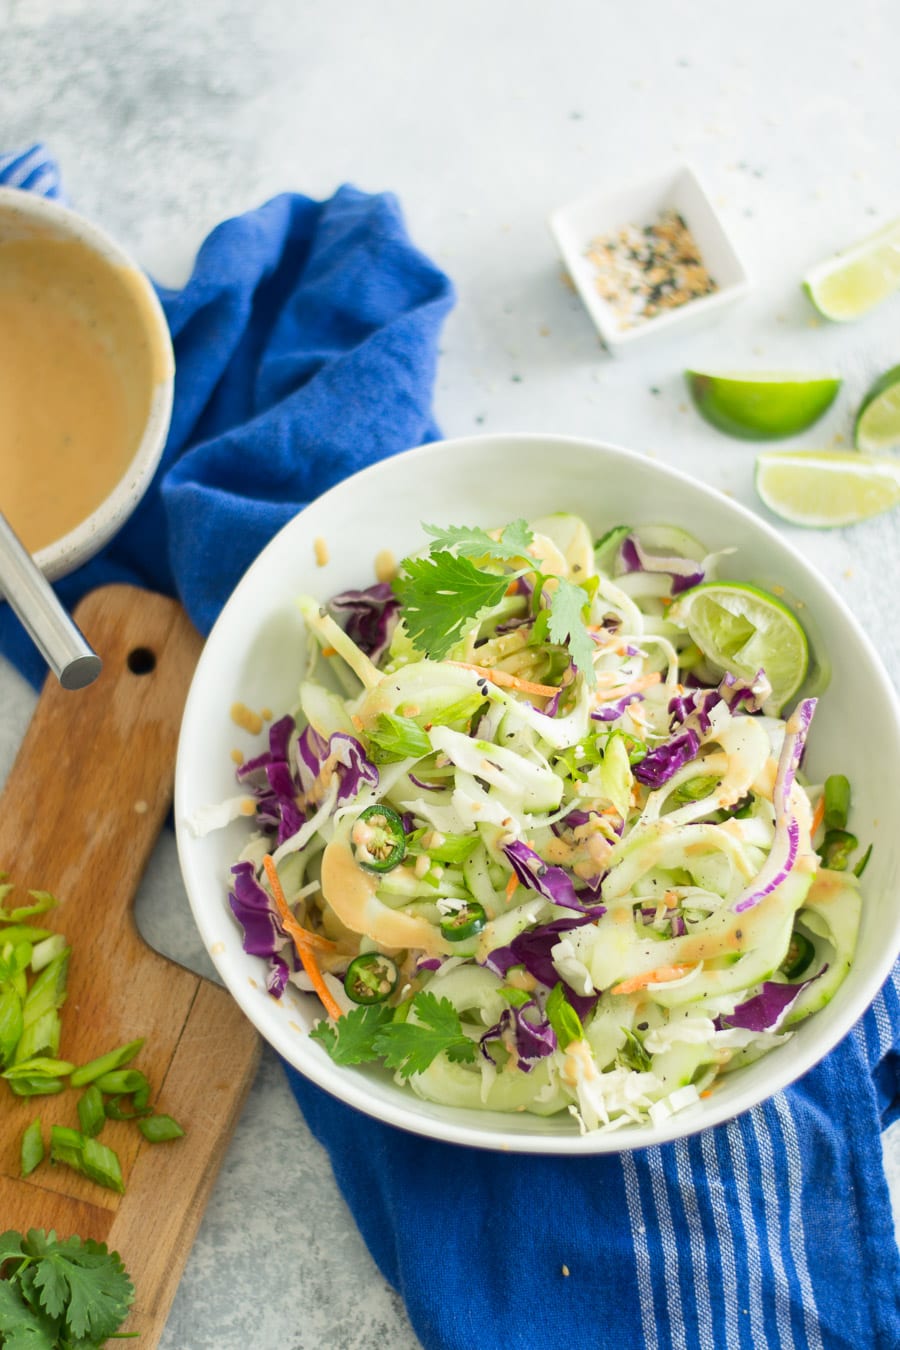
{"x": 643, "y": 271}
{"x": 535, "y": 835}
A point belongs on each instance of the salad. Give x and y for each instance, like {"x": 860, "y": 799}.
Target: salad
{"x": 536, "y": 834}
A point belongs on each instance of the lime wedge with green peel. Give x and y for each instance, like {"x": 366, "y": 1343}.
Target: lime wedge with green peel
{"x": 851, "y": 283}
{"x": 762, "y": 405}
{"x": 877, "y": 426}
{"x": 742, "y": 629}
{"x": 824, "y": 488}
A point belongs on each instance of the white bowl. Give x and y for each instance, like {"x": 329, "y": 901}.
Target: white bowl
{"x": 678, "y": 188}
{"x": 24, "y": 215}
{"x": 255, "y": 655}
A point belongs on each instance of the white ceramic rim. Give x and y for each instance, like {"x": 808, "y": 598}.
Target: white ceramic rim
{"x": 87, "y": 538}
{"x": 351, "y": 1090}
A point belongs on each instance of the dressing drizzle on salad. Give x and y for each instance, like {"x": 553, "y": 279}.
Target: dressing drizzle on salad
{"x": 582, "y": 852}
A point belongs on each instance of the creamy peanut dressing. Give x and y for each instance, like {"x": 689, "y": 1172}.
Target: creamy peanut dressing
{"x": 78, "y": 366}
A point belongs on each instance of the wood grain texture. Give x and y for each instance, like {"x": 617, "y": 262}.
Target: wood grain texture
{"x": 80, "y": 813}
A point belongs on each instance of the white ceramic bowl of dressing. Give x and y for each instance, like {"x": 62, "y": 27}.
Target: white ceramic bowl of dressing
{"x": 86, "y": 381}
{"x": 255, "y": 655}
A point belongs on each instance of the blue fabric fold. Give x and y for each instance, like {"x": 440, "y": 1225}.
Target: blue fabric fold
{"x": 306, "y": 343}
{"x": 305, "y": 348}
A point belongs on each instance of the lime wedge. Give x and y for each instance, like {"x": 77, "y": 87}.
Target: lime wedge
{"x": 856, "y": 280}
{"x": 877, "y": 426}
{"x": 763, "y": 405}
{"x": 822, "y": 488}
{"x": 743, "y": 629}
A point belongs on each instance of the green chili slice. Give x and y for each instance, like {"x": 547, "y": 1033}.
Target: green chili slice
{"x": 799, "y": 957}
{"x": 837, "y": 802}
{"x": 464, "y": 922}
{"x": 837, "y": 849}
{"x": 863, "y": 862}
{"x": 371, "y": 978}
{"x": 379, "y": 839}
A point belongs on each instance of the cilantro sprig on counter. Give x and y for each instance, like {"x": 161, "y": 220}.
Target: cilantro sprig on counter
{"x": 59, "y": 1294}
{"x": 444, "y": 593}
{"x": 410, "y": 1045}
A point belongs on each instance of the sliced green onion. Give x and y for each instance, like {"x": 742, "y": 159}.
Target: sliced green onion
{"x": 837, "y": 801}
{"x": 160, "y": 1129}
{"x": 563, "y": 1018}
{"x": 32, "y": 1147}
{"x": 139, "y": 1107}
{"x": 464, "y": 922}
{"x": 123, "y": 1081}
{"x": 40, "y": 1037}
{"x": 379, "y": 840}
{"x": 106, "y": 1063}
{"x": 101, "y": 1164}
{"x": 36, "y": 1086}
{"x": 40, "y": 1066}
{"x": 91, "y": 1115}
{"x": 11, "y": 1024}
{"x": 45, "y": 952}
{"x": 695, "y": 789}
{"x": 371, "y": 978}
{"x": 516, "y": 997}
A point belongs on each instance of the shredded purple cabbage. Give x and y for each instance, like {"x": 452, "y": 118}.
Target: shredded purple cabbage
{"x": 611, "y": 711}
{"x": 255, "y": 911}
{"x": 664, "y": 761}
{"x": 533, "y": 1040}
{"x": 368, "y": 617}
{"x": 532, "y": 949}
{"x": 684, "y": 572}
{"x": 766, "y": 1009}
{"x": 277, "y": 978}
{"x": 553, "y": 883}
{"x": 343, "y": 753}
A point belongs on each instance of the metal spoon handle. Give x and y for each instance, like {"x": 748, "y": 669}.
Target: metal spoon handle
{"x": 54, "y": 632}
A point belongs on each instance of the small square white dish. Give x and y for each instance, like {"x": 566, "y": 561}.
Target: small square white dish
{"x": 676, "y": 188}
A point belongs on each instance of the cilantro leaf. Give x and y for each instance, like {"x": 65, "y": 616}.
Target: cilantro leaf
{"x": 396, "y": 737}
{"x": 21, "y": 1328}
{"x": 476, "y": 543}
{"x": 87, "y": 1282}
{"x": 411, "y": 1046}
{"x": 567, "y": 626}
{"x": 351, "y": 1040}
{"x": 441, "y": 595}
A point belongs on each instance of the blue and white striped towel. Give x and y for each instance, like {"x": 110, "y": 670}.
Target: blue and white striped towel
{"x": 773, "y": 1232}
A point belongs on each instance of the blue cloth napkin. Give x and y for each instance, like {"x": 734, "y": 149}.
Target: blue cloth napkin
{"x": 306, "y": 344}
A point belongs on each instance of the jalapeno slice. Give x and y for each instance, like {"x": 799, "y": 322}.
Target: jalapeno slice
{"x": 371, "y": 978}
{"x": 464, "y": 922}
{"x": 837, "y": 849}
{"x": 379, "y": 840}
{"x": 799, "y": 956}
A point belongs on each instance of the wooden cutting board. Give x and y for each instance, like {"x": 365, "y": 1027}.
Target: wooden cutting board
{"x": 84, "y": 803}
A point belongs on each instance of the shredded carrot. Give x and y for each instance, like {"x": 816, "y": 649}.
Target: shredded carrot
{"x": 707, "y": 1093}
{"x": 818, "y": 815}
{"x": 643, "y": 682}
{"x": 329, "y": 651}
{"x": 301, "y": 940}
{"x": 510, "y": 681}
{"x": 658, "y": 976}
{"x": 511, "y": 886}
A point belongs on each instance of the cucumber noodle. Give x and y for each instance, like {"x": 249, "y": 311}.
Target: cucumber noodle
{"x": 640, "y": 845}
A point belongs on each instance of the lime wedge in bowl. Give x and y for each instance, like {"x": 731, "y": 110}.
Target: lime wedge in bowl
{"x": 851, "y": 283}
{"x": 742, "y": 629}
{"x": 877, "y": 426}
{"x": 762, "y": 405}
{"x": 825, "y": 488}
